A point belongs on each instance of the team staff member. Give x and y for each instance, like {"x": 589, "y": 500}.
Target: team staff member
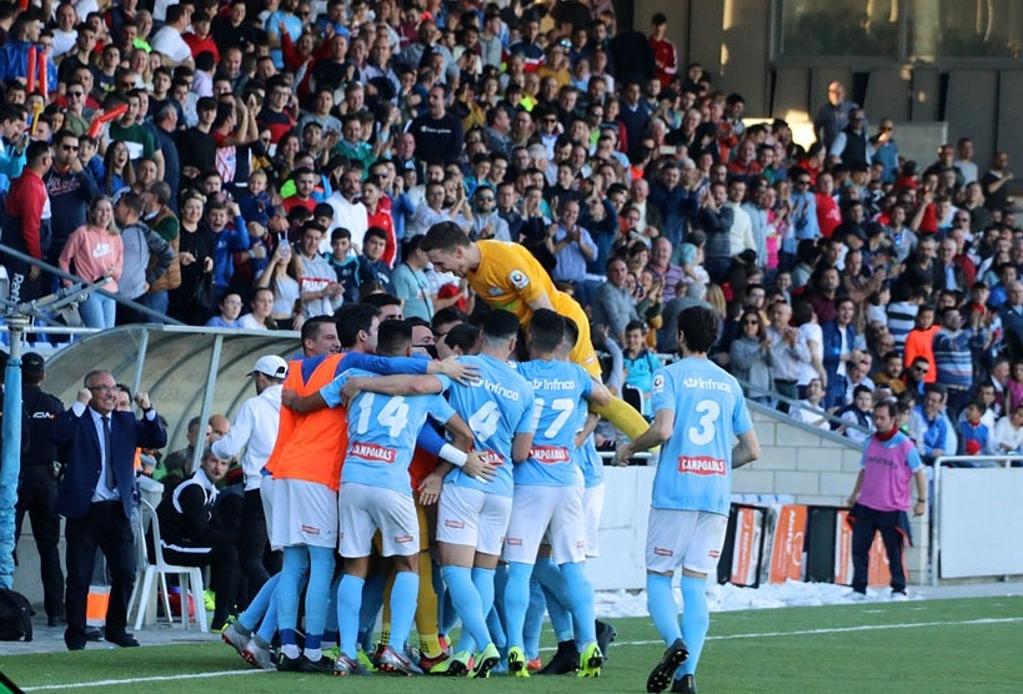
{"x": 699, "y": 408}
{"x": 97, "y": 496}
{"x": 881, "y": 496}
{"x": 37, "y": 488}
{"x": 255, "y": 429}
{"x": 507, "y": 276}
{"x": 193, "y": 534}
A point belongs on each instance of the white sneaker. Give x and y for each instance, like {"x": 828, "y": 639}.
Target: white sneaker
{"x": 853, "y": 596}
{"x": 899, "y": 596}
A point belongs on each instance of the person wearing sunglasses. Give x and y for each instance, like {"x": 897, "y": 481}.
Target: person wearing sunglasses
{"x": 750, "y": 355}
{"x": 70, "y": 188}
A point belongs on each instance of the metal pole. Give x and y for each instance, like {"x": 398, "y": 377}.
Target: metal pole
{"x": 936, "y": 521}
{"x": 140, "y": 362}
{"x": 10, "y": 469}
{"x": 207, "y": 400}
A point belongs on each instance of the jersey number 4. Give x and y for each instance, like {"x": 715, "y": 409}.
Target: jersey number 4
{"x": 703, "y": 432}
{"x": 393, "y": 416}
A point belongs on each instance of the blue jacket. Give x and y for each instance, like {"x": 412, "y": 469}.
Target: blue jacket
{"x": 230, "y": 240}
{"x": 14, "y": 63}
{"x": 78, "y": 436}
{"x": 832, "y": 337}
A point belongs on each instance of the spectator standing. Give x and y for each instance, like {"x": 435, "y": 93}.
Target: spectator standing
{"x": 974, "y": 436}
{"x": 613, "y": 305}
{"x": 410, "y": 282}
{"x": 97, "y": 496}
{"x": 839, "y": 344}
{"x": 70, "y": 189}
{"x": 93, "y": 252}
{"x": 964, "y": 161}
{"x": 26, "y": 223}
{"x": 438, "y": 134}
{"x": 886, "y": 151}
{"x": 789, "y": 352}
{"x": 953, "y": 357}
{"x": 573, "y": 249}
{"x": 994, "y": 182}
{"x": 929, "y": 427}
{"x": 881, "y": 496}
{"x": 750, "y": 355}
{"x": 920, "y": 342}
{"x": 255, "y": 430}
{"x": 321, "y": 294}
{"x": 147, "y": 257}
{"x": 833, "y": 116}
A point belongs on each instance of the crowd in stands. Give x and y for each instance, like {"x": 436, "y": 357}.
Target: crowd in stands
{"x": 248, "y": 164}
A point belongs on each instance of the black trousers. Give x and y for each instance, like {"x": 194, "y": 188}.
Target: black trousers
{"x": 37, "y": 494}
{"x": 106, "y": 527}
{"x": 252, "y": 543}
{"x": 224, "y": 578}
{"x": 889, "y": 524}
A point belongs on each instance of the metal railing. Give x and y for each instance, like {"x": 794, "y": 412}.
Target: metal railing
{"x": 53, "y": 270}
{"x": 935, "y": 548}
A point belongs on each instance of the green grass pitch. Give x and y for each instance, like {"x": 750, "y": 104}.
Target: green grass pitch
{"x": 918, "y": 646}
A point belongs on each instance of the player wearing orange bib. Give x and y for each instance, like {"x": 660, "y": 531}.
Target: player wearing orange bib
{"x": 507, "y": 276}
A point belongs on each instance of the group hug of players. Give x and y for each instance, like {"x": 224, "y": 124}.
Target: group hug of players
{"x": 516, "y": 485}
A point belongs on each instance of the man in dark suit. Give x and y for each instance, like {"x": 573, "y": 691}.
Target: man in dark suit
{"x": 98, "y": 495}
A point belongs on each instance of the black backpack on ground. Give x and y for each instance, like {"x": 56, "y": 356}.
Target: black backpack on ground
{"x": 15, "y": 616}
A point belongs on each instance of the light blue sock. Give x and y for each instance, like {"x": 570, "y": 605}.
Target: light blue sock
{"x": 466, "y": 600}
{"x": 321, "y": 571}
{"x": 547, "y": 574}
{"x": 448, "y": 618}
{"x": 372, "y": 602}
{"x": 349, "y": 600}
{"x": 404, "y": 598}
{"x": 516, "y": 602}
{"x": 695, "y": 620}
{"x": 253, "y": 614}
{"x": 330, "y": 633}
{"x": 268, "y": 627}
{"x": 660, "y": 601}
{"x": 496, "y": 618}
{"x": 289, "y": 588}
{"x": 483, "y": 579}
{"x": 533, "y": 625}
{"x": 580, "y": 596}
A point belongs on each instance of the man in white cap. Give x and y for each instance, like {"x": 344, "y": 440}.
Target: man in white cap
{"x": 255, "y": 430}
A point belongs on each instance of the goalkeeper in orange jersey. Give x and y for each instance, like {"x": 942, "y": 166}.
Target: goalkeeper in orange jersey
{"x": 507, "y": 276}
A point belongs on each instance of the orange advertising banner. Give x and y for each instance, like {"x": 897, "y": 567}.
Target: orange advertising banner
{"x": 787, "y": 545}
{"x": 742, "y": 558}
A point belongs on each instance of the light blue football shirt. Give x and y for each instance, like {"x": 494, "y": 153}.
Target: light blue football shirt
{"x": 498, "y": 405}
{"x": 558, "y": 391}
{"x": 695, "y": 468}
{"x": 382, "y": 431}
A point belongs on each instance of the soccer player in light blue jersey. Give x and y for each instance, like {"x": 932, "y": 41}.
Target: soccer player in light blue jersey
{"x": 473, "y": 516}
{"x": 699, "y": 409}
{"x": 548, "y": 492}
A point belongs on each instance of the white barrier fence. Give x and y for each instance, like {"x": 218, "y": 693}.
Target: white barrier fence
{"x": 622, "y": 560}
{"x": 978, "y": 519}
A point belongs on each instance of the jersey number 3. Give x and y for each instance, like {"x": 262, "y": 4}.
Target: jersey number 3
{"x": 703, "y": 432}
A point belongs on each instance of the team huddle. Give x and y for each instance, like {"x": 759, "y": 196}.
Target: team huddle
{"x": 469, "y": 492}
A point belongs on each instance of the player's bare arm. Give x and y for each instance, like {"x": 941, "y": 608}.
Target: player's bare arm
{"x": 588, "y": 428}
{"x": 656, "y": 434}
{"x": 599, "y": 395}
{"x": 302, "y": 403}
{"x": 747, "y": 450}
{"x": 520, "y": 447}
{"x": 454, "y": 369}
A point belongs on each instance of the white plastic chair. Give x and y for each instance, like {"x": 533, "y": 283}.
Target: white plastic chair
{"x": 190, "y": 579}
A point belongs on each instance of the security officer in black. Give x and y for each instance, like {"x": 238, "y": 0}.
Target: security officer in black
{"x": 37, "y": 488}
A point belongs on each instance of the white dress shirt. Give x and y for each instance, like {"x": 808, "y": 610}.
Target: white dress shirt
{"x": 103, "y": 492}
{"x": 255, "y": 429}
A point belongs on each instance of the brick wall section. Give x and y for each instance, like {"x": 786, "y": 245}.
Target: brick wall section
{"x": 815, "y": 467}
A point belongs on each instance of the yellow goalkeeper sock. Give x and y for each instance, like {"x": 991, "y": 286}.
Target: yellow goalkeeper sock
{"x": 623, "y": 416}
{"x": 426, "y": 610}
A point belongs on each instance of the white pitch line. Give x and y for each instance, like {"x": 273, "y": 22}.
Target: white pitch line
{"x": 726, "y": 637}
